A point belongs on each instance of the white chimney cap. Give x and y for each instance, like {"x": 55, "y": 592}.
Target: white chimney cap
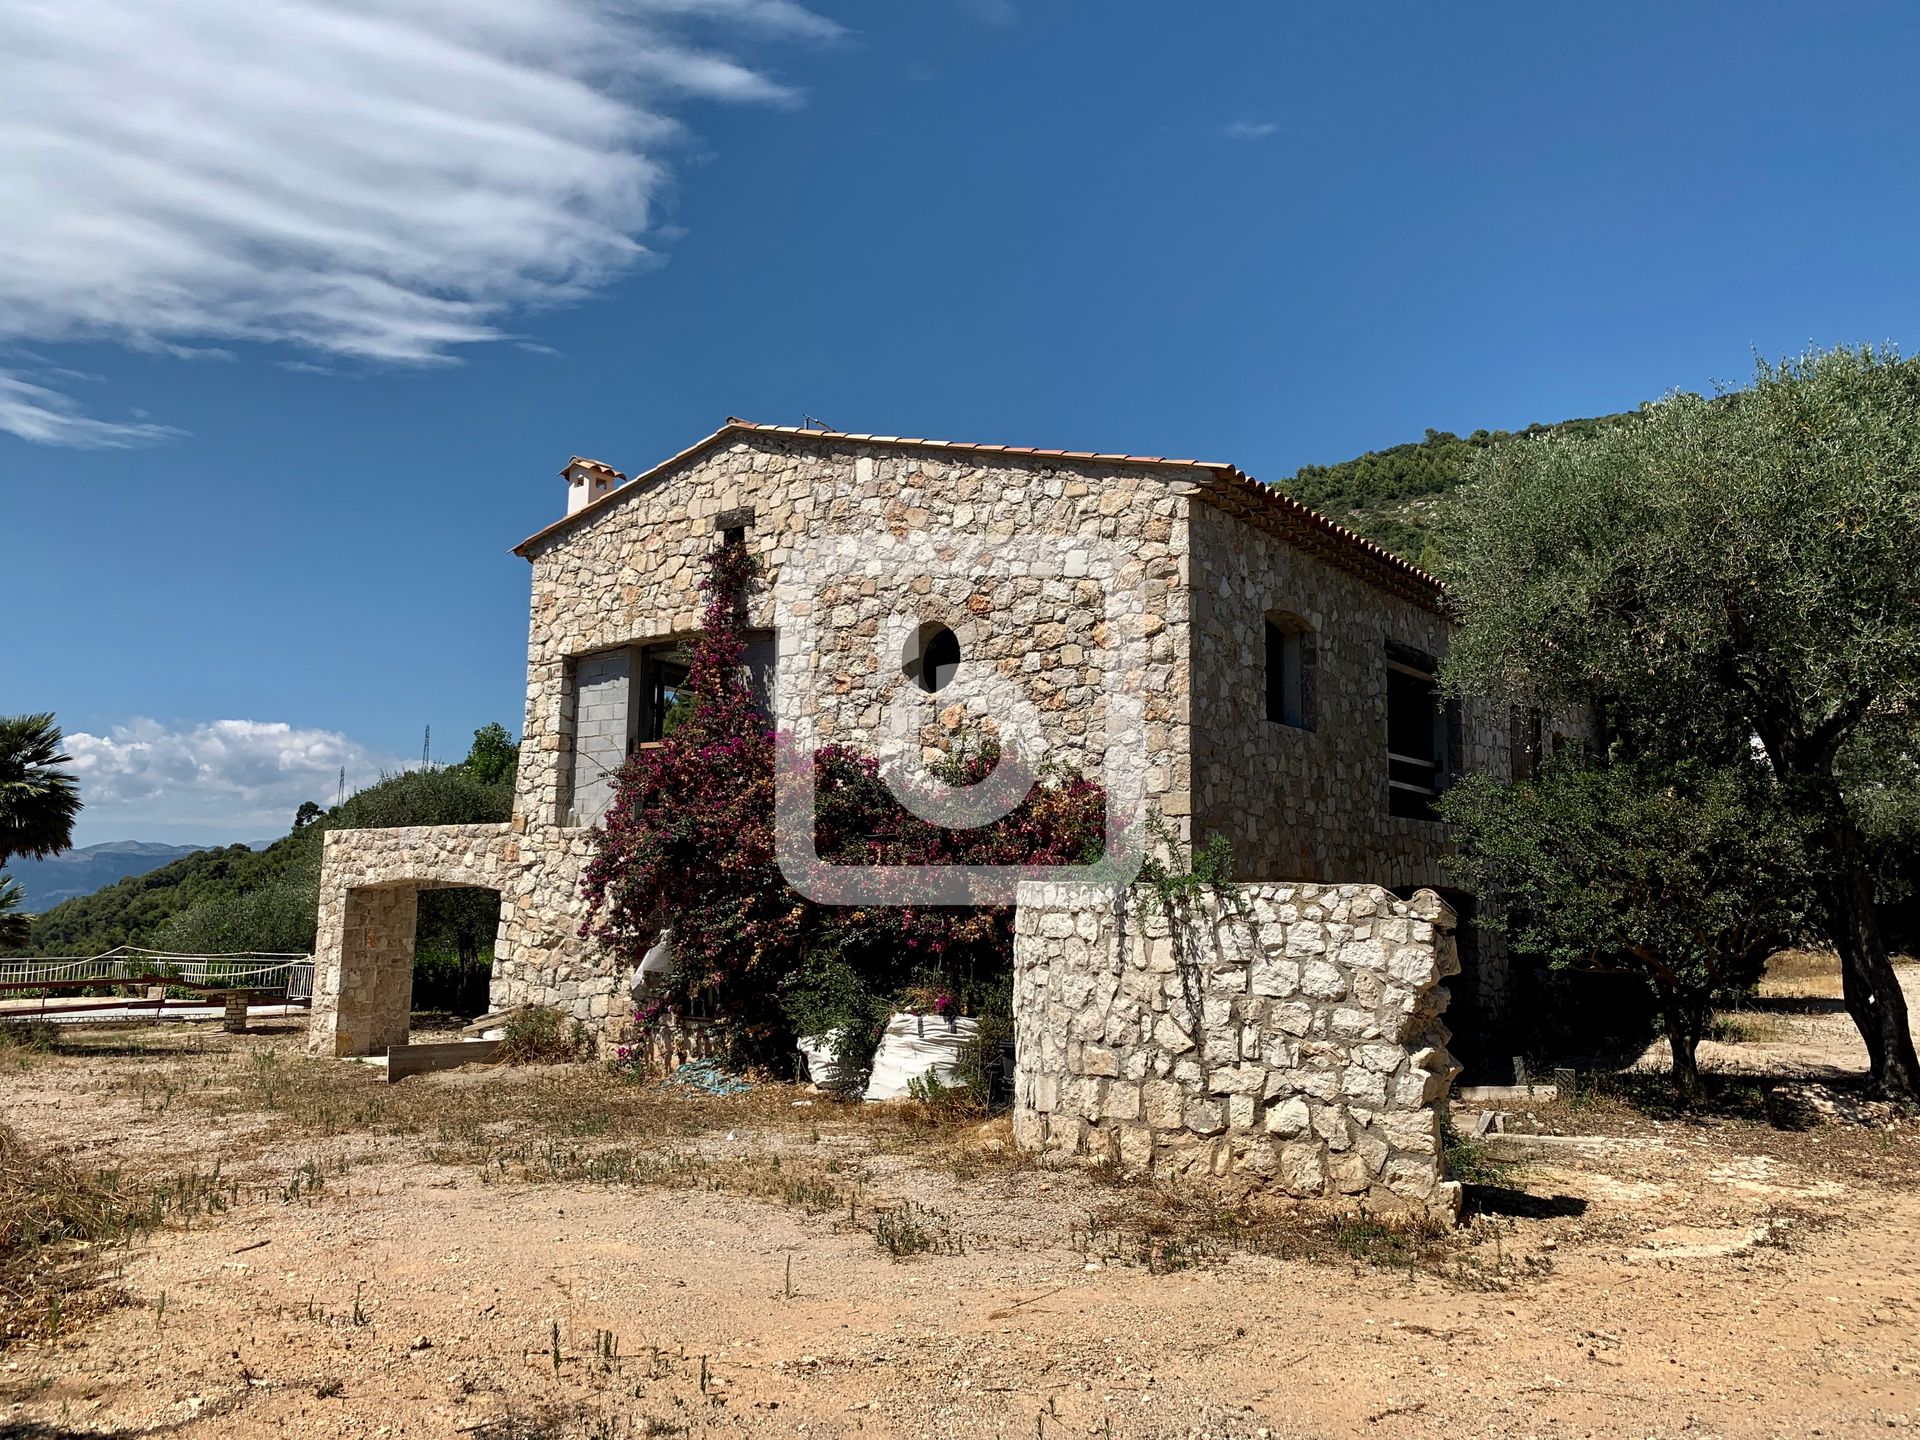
{"x": 588, "y": 481}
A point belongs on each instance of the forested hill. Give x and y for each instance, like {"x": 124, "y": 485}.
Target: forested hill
{"x": 1391, "y": 495}
{"x": 242, "y": 899}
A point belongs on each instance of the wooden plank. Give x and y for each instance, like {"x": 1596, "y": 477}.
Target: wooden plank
{"x": 405, "y": 1060}
{"x": 494, "y": 1021}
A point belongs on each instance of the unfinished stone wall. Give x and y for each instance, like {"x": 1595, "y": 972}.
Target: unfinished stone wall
{"x": 363, "y": 949}
{"x": 1287, "y": 1033}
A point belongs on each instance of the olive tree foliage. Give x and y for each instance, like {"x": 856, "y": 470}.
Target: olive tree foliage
{"x": 1689, "y": 878}
{"x": 494, "y": 756}
{"x": 1727, "y": 573}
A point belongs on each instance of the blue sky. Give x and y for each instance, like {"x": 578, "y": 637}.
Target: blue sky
{"x": 281, "y": 389}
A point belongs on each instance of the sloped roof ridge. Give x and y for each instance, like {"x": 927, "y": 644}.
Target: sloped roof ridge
{"x": 1255, "y": 492}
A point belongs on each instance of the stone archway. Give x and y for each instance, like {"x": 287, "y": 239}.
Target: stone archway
{"x": 370, "y": 882}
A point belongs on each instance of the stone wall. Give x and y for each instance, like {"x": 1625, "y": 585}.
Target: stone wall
{"x": 541, "y": 958}
{"x": 363, "y": 950}
{"x": 1290, "y": 1034}
{"x": 629, "y": 575}
{"x": 1309, "y": 804}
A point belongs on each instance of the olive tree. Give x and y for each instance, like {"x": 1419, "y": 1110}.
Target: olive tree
{"x": 1688, "y": 877}
{"x": 1725, "y": 572}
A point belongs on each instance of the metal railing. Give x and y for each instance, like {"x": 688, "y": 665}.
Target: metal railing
{"x": 243, "y": 970}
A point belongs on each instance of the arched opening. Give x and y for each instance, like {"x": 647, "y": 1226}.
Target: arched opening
{"x": 932, "y": 658}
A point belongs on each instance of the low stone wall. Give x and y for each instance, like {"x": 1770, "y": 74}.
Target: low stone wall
{"x": 667, "y": 1043}
{"x": 1289, "y": 1033}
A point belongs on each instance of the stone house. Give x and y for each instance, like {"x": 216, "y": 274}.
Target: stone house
{"x": 1281, "y": 667}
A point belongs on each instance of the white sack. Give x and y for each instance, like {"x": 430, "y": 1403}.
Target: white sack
{"x": 655, "y": 967}
{"x": 913, "y": 1045}
{"x": 816, "y": 1053}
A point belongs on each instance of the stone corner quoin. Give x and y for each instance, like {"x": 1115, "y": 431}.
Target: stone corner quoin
{"x": 1289, "y": 1033}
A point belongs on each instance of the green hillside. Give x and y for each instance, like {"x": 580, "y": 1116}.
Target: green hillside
{"x": 242, "y": 899}
{"x": 1392, "y": 495}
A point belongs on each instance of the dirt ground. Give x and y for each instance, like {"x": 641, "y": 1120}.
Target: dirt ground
{"x": 548, "y": 1252}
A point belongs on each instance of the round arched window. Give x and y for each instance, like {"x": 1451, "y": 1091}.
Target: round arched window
{"x": 933, "y": 655}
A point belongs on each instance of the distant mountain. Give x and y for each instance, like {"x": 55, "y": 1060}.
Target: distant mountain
{"x": 81, "y": 872}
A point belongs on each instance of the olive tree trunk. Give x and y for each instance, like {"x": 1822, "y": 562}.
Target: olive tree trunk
{"x": 1868, "y": 983}
{"x": 1684, "y": 1018}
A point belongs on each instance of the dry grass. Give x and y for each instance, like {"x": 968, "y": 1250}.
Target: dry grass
{"x": 541, "y": 1035}
{"x": 1165, "y": 1227}
{"x": 1807, "y": 964}
{"x": 59, "y": 1226}
{"x": 1749, "y": 1027}
{"x": 22, "y": 1042}
{"x": 1809, "y": 973}
{"x": 1732, "y": 1119}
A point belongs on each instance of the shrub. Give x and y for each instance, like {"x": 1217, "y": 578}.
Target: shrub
{"x": 1689, "y": 876}
{"x": 689, "y": 840}
{"x": 441, "y": 982}
{"x": 540, "y": 1035}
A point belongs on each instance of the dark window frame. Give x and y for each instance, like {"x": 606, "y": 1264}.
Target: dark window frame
{"x": 1425, "y": 735}
{"x": 1292, "y": 665}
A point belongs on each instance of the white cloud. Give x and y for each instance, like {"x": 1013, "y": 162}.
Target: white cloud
{"x": 1250, "y": 129}
{"x": 386, "y": 180}
{"x": 233, "y": 777}
{"x": 38, "y": 412}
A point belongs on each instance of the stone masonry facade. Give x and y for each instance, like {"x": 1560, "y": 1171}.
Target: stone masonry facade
{"x": 1207, "y": 555}
{"x": 1290, "y": 1034}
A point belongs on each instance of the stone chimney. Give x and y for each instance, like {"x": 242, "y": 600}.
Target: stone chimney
{"x": 588, "y": 481}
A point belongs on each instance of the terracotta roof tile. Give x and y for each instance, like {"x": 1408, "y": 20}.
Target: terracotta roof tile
{"x": 599, "y": 467}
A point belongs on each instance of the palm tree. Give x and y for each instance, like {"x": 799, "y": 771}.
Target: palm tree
{"x": 15, "y": 928}
{"x": 37, "y": 801}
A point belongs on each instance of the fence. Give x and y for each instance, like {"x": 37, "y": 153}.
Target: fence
{"x": 247, "y": 970}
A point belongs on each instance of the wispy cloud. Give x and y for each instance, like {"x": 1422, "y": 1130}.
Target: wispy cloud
{"x": 1250, "y": 129}
{"x": 991, "y": 12}
{"x": 40, "y": 413}
{"x": 229, "y": 777}
{"x": 385, "y": 180}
